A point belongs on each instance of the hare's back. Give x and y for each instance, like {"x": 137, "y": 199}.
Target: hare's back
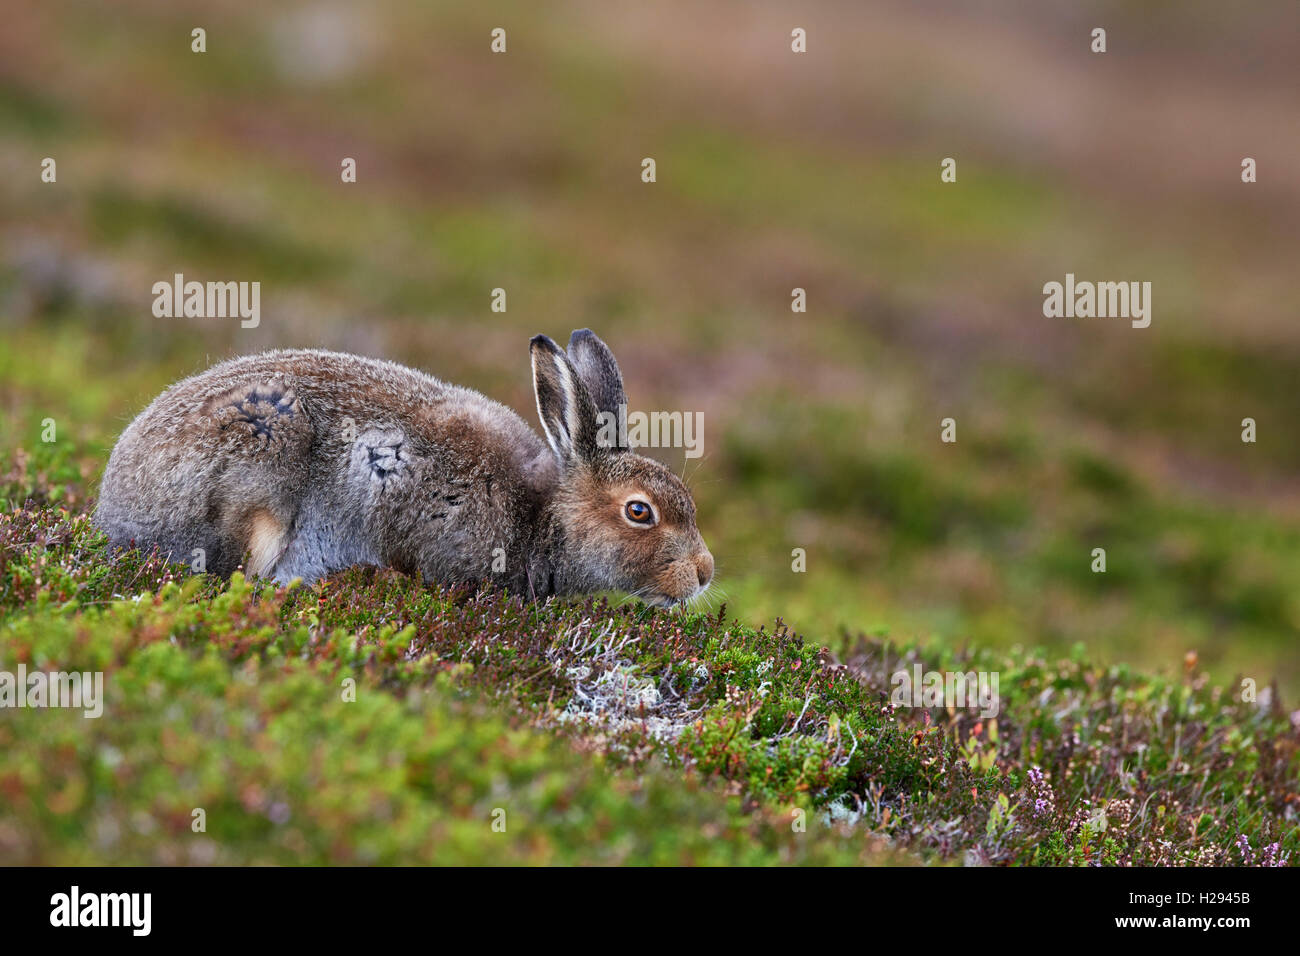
{"x": 292, "y": 452}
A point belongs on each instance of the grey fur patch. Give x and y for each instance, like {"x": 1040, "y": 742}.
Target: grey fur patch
{"x": 380, "y": 456}
{"x": 260, "y": 409}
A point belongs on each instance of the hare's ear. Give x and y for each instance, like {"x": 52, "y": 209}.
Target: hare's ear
{"x": 598, "y": 370}
{"x": 563, "y": 403}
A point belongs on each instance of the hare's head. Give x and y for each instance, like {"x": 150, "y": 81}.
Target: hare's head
{"x": 628, "y": 522}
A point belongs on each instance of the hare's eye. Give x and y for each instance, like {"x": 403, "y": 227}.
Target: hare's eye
{"x": 639, "y": 512}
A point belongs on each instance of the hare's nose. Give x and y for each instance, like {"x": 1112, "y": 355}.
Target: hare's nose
{"x": 704, "y": 568}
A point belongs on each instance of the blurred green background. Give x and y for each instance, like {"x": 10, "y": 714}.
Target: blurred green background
{"x": 775, "y": 171}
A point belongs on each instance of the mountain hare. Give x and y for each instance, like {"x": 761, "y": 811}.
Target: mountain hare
{"x": 311, "y": 461}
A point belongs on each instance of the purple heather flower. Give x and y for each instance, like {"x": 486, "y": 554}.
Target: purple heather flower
{"x": 1271, "y": 858}
{"x": 1244, "y": 846}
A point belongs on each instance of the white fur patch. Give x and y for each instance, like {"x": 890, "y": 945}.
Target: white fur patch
{"x": 266, "y": 542}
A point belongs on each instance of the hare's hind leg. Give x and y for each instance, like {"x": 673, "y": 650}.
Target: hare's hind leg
{"x": 264, "y": 438}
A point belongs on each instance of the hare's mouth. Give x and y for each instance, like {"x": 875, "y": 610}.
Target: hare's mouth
{"x": 659, "y": 599}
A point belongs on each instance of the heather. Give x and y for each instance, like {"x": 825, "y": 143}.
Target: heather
{"x": 369, "y": 718}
